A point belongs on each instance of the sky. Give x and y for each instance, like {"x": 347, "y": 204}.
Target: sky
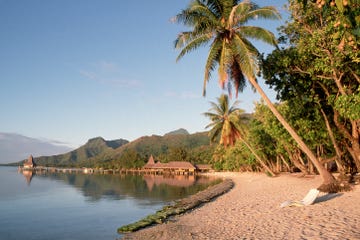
{"x": 75, "y": 70}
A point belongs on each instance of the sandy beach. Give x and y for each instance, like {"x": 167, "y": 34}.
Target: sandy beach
{"x": 251, "y": 210}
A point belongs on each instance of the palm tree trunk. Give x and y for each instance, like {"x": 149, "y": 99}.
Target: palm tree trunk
{"x": 327, "y": 177}
{"x": 258, "y": 158}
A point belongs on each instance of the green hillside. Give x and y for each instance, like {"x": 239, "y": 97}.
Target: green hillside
{"x": 157, "y": 145}
{"x": 178, "y": 145}
{"x": 170, "y": 147}
{"x": 91, "y": 149}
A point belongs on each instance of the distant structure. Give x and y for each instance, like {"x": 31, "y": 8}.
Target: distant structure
{"x": 29, "y": 164}
{"x": 150, "y": 163}
{"x": 203, "y": 168}
{"x": 175, "y": 167}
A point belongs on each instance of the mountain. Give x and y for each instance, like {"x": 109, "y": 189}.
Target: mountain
{"x": 157, "y": 145}
{"x": 15, "y": 147}
{"x": 180, "y": 131}
{"x": 194, "y": 148}
{"x": 120, "y": 153}
{"x": 80, "y": 156}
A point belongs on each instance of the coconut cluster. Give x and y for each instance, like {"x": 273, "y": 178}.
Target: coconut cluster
{"x": 321, "y": 3}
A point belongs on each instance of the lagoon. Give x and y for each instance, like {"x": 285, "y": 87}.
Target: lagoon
{"x": 81, "y": 206}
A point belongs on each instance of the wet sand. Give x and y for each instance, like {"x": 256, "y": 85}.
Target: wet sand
{"x": 251, "y": 210}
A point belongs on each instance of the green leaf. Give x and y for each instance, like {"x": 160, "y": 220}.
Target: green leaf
{"x": 340, "y": 6}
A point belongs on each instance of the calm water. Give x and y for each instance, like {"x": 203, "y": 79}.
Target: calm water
{"x": 79, "y": 206}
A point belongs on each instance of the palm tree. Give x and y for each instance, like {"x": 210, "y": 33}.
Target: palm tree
{"x": 221, "y": 23}
{"x": 226, "y": 122}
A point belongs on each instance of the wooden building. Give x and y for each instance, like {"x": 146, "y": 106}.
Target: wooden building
{"x": 175, "y": 167}
{"x": 203, "y": 168}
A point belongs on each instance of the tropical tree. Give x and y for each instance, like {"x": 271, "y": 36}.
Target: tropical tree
{"x": 222, "y": 24}
{"x": 320, "y": 65}
{"x": 226, "y": 123}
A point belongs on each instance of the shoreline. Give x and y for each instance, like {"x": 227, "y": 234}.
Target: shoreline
{"x": 251, "y": 210}
{"x": 180, "y": 207}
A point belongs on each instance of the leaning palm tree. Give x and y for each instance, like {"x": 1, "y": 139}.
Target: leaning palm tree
{"x": 226, "y": 122}
{"x": 221, "y": 24}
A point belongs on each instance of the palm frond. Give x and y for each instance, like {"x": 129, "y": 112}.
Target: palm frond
{"x": 212, "y": 60}
{"x": 234, "y": 108}
{"x": 214, "y": 133}
{"x": 215, "y": 6}
{"x": 246, "y": 11}
{"x": 258, "y": 33}
{"x": 192, "y": 45}
{"x": 223, "y": 103}
{"x": 213, "y": 117}
{"x": 196, "y": 14}
{"x": 182, "y": 39}
{"x": 246, "y": 56}
{"x": 225, "y": 61}
{"x": 237, "y": 77}
{"x": 268, "y": 12}
{"x": 239, "y": 12}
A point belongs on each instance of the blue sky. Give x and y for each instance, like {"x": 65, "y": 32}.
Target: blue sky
{"x": 74, "y": 70}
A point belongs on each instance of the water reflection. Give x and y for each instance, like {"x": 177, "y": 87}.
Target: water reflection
{"x": 146, "y": 189}
{"x": 175, "y": 180}
{"x": 28, "y": 174}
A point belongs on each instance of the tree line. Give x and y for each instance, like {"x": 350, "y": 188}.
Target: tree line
{"x": 314, "y": 70}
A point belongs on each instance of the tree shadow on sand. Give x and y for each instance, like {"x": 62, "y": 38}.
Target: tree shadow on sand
{"x": 327, "y": 197}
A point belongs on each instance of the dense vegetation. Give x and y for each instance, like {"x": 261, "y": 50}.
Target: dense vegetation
{"x": 315, "y": 72}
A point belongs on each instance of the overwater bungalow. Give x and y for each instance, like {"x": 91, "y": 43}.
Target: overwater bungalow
{"x": 87, "y": 170}
{"x": 174, "y": 167}
{"x": 29, "y": 164}
{"x": 203, "y": 168}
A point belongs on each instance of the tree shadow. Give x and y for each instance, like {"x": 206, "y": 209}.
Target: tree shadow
{"x": 327, "y": 197}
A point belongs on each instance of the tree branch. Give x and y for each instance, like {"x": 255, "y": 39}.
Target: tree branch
{"x": 299, "y": 70}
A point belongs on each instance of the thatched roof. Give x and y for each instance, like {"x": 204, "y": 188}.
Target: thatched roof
{"x": 150, "y": 163}
{"x": 203, "y": 166}
{"x": 170, "y": 165}
{"x": 30, "y": 161}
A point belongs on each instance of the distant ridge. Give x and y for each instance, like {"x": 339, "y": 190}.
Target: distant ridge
{"x": 16, "y": 147}
{"x": 93, "y": 148}
{"x": 161, "y": 145}
{"x": 98, "y": 152}
{"x": 180, "y": 131}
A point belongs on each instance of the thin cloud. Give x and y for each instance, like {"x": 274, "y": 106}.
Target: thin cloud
{"x": 123, "y": 83}
{"x": 107, "y": 73}
{"x": 108, "y": 66}
{"x": 88, "y": 74}
{"x": 182, "y": 95}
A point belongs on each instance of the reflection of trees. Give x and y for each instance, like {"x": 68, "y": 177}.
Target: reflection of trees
{"x": 175, "y": 180}
{"x": 149, "y": 188}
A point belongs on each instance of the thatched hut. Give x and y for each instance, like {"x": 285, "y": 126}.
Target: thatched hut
{"x": 29, "y": 163}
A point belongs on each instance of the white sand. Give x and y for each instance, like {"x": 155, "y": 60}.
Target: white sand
{"x": 251, "y": 210}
